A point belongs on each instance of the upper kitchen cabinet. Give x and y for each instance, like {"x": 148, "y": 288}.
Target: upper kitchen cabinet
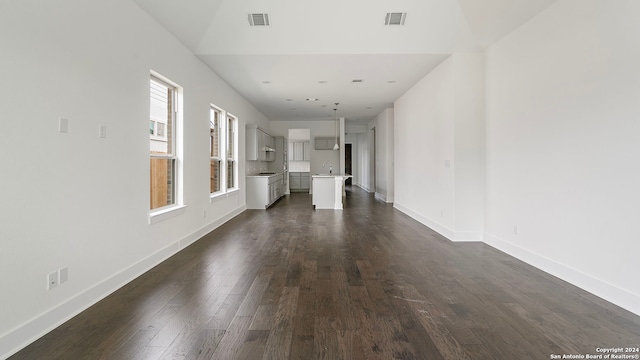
{"x": 325, "y": 143}
{"x": 299, "y": 151}
{"x": 260, "y": 145}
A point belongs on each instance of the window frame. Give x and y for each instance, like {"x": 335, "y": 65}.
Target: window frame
{"x": 221, "y": 114}
{"x": 231, "y": 121}
{"x": 175, "y": 155}
{"x": 225, "y": 118}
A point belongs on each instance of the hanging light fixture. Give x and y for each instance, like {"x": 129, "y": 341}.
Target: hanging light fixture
{"x": 336, "y": 146}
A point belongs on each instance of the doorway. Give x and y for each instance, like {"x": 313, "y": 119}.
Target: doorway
{"x": 347, "y": 162}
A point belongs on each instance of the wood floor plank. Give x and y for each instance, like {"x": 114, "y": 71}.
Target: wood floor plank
{"x": 279, "y": 342}
{"x": 325, "y": 340}
{"x": 253, "y": 345}
{"x": 349, "y": 345}
{"x": 302, "y": 347}
{"x": 254, "y": 295}
{"x": 233, "y": 338}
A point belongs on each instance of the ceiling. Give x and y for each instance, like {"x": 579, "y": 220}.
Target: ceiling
{"x": 315, "y": 49}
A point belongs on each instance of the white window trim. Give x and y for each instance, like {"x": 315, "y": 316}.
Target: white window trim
{"x": 177, "y": 208}
{"x": 235, "y": 150}
{"x": 221, "y": 143}
{"x": 224, "y": 192}
{"x": 166, "y": 212}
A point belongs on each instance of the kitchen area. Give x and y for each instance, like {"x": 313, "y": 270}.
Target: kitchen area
{"x": 294, "y": 162}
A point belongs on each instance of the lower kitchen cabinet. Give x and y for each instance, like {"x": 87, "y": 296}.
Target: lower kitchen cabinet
{"x": 299, "y": 181}
{"x": 263, "y": 191}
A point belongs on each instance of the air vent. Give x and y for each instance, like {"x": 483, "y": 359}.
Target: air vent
{"x": 395, "y": 18}
{"x": 259, "y": 19}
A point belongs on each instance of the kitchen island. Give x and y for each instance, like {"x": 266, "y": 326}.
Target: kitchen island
{"x": 327, "y": 190}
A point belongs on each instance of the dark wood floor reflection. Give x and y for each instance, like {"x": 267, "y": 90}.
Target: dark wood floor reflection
{"x": 367, "y": 282}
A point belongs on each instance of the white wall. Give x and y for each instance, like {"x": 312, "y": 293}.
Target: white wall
{"x": 424, "y": 118}
{"x": 563, "y": 147}
{"x": 439, "y": 159}
{"x": 384, "y": 159}
{"x": 74, "y": 200}
{"x": 361, "y": 150}
{"x": 469, "y": 157}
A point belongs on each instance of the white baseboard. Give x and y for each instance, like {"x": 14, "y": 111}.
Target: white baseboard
{"x": 384, "y": 198}
{"x": 602, "y": 289}
{"x": 363, "y": 188}
{"x": 457, "y": 236}
{"x": 16, "y": 339}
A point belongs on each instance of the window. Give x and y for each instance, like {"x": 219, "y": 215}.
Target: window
{"x": 232, "y": 164}
{"x": 223, "y": 152}
{"x": 163, "y": 143}
{"x": 215, "y": 143}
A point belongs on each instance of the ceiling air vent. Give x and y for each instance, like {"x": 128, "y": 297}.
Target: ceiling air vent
{"x": 395, "y": 18}
{"x": 259, "y": 19}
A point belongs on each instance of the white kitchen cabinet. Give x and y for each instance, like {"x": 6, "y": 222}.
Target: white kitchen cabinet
{"x": 260, "y": 145}
{"x": 299, "y": 151}
{"x": 263, "y": 191}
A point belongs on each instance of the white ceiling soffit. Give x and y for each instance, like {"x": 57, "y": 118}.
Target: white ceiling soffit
{"x": 278, "y": 85}
{"x": 489, "y": 21}
{"x": 187, "y": 20}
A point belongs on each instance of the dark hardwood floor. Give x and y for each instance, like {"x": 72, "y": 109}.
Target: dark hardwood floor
{"x": 367, "y": 282}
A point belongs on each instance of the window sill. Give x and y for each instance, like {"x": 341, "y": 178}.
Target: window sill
{"x": 220, "y": 196}
{"x": 164, "y": 214}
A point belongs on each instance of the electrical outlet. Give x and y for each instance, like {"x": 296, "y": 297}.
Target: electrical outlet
{"x": 64, "y": 275}
{"x": 52, "y": 280}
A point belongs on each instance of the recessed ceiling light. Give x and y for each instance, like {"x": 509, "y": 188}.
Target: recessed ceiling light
{"x": 312, "y": 99}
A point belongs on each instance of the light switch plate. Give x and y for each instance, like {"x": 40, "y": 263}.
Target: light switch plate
{"x": 64, "y": 275}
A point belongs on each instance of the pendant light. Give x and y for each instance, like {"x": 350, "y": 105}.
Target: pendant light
{"x": 336, "y": 146}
